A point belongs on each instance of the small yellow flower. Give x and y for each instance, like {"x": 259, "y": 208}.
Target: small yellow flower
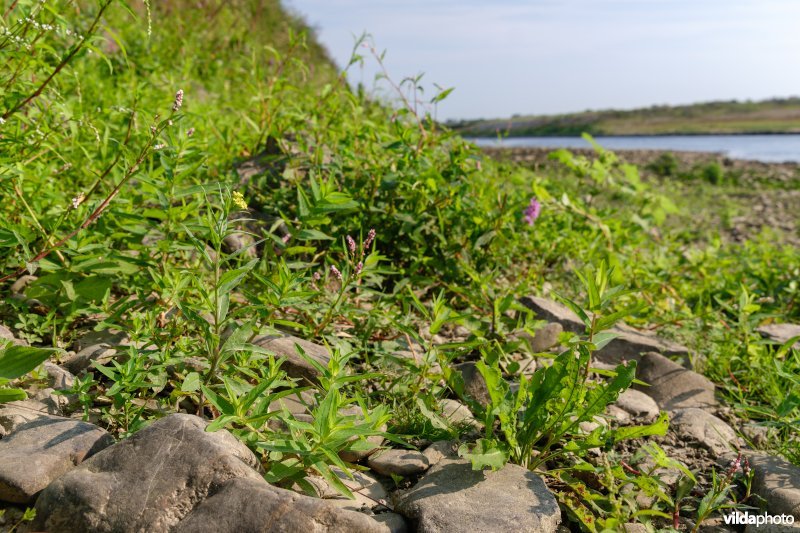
{"x": 238, "y": 199}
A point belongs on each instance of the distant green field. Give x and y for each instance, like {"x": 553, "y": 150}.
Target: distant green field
{"x": 770, "y": 116}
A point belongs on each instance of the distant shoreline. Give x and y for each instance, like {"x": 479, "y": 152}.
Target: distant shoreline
{"x": 634, "y": 135}
{"x": 539, "y": 156}
{"x": 770, "y": 117}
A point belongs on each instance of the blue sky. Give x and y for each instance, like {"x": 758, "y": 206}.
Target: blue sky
{"x": 552, "y": 56}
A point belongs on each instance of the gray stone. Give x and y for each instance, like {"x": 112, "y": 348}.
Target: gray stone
{"x": 110, "y": 337}
{"x": 398, "y": 462}
{"x": 295, "y": 366}
{"x": 15, "y": 414}
{"x": 39, "y": 451}
{"x": 393, "y": 521}
{"x": 59, "y": 378}
{"x": 458, "y": 414}
{"x": 102, "y": 353}
{"x": 629, "y": 344}
{"x": 370, "y": 495}
{"x": 18, "y": 287}
{"x": 252, "y": 505}
{"x": 546, "y": 337}
{"x": 780, "y": 333}
{"x": 778, "y": 482}
{"x": 474, "y": 384}
{"x": 374, "y": 443}
{"x": 236, "y": 242}
{"x": 552, "y": 311}
{"x": 148, "y": 482}
{"x": 442, "y": 449}
{"x": 672, "y": 386}
{"x": 637, "y": 404}
{"x": 454, "y": 497}
{"x": 6, "y": 334}
{"x": 635, "y": 528}
{"x": 620, "y": 415}
{"x": 705, "y": 428}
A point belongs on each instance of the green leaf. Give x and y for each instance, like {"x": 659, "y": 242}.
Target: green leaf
{"x": 231, "y": 279}
{"x": 659, "y": 427}
{"x": 485, "y": 453}
{"x": 12, "y": 395}
{"x": 191, "y": 383}
{"x": 16, "y": 361}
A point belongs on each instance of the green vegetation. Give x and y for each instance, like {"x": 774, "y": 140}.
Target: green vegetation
{"x": 779, "y": 115}
{"x": 137, "y": 146}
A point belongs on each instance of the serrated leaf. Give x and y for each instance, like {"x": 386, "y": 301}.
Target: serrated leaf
{"x": 485, "y": 453}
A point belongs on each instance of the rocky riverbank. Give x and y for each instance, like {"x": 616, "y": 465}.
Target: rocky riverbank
{"x": 760, "y": 195}
{"x": 175, "y": 475}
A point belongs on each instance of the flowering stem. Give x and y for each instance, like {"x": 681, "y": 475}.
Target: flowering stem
{"x": 61, "y": 65}
{"x": 99, "y": 209}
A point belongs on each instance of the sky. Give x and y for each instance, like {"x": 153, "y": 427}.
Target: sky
{"x": 506, "y": 57}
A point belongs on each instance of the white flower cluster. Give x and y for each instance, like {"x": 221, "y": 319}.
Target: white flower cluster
{"x": 39, "y": 26}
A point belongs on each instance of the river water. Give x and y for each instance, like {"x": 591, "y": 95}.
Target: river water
{"x": 766, "y": 148}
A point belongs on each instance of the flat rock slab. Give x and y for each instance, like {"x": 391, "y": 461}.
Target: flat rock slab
{"x": 398, "y": 462}
{"x": 778, "y": 482}
{"x": 673, "y": 386}
{"x": 252, "y": 505}
{"x": 15, "y": 414}
{"x": 705, "y": 428}
{"x": 629, "y": 344}
{"x": 148, "y": 482}
{"x": 295, "y": 366}
{"x": 454, "y": 497}
{"x": 780, "y": 333}
{"x": 39, "y": 451}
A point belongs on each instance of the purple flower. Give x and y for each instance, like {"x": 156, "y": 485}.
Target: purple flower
{"x": 178, "y": 100}
{"x": 336, "y": 273}
{"x": 359, "y": 268}
{"x": 531, "y": 213}
{"x": 351, "y": 244}
{"x": 370, "y": 238}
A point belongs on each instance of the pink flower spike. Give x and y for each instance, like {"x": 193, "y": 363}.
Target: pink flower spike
{"x": 531, "y": 213}
{"x": 351, "y": 244}
{"x": 178, "y": 100}
{"x": 370, "y": 238}
{"x": 336, "y": 273}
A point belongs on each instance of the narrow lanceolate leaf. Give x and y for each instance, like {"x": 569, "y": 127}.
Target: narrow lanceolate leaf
{"x": 659, "y": 427}
{"x": 12, "y": 395}
{"x": 16, "y": 361}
